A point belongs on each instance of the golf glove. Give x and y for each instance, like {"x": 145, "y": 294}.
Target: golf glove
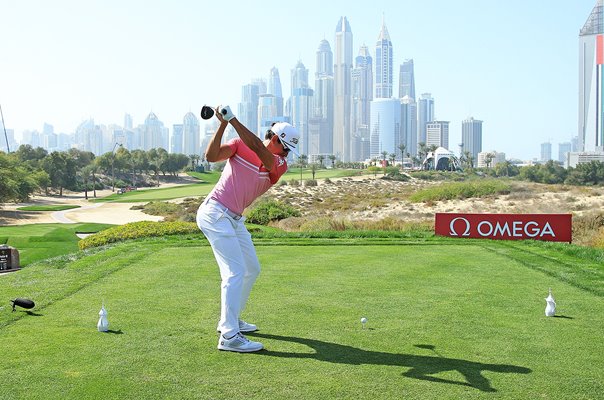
{"x": 226, "y": 112}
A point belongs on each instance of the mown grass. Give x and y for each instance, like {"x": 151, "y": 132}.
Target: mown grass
{"x": 448, "y": 319}
{"x": 59, "y": 207}
{"x": 40, "y": 241}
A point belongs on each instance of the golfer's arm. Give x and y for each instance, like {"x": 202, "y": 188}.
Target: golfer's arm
{"x": 215, "y": 152}
{"x": 254, "y": 143}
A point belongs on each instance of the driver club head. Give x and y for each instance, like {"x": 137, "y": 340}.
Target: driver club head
{"x": 207, "y": 112}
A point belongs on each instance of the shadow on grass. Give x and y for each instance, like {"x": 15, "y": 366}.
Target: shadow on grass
{"x": 421, "y": 367}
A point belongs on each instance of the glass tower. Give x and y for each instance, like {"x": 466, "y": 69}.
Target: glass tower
{"x": 342, "y": 87}
{"x": 591, "y": 81}
{"x": 383, "y": 65}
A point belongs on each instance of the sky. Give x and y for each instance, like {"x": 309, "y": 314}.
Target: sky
{"x": 512, "y": 64}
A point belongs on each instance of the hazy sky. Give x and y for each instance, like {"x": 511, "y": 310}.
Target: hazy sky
{"x": 511, "y": 63}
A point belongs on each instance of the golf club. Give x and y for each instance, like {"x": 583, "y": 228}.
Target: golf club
{"x": 207, "y": 112}
{"x": 25, "y": 303}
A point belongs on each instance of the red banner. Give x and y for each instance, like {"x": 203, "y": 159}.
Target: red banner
{"x": 548, "y": 227}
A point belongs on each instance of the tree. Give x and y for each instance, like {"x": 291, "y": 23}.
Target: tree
{"x": 392, "y": 158}
{"x": 321, "y": 158}
{"x": 17, "y": 180}
{"x": 402, "y": 148}
{"x": 332, "y": 158}
{"x": 488, "y": 158}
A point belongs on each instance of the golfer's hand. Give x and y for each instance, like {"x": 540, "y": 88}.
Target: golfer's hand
{"x": 219, "y": 115}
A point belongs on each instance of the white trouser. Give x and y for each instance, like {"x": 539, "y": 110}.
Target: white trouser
{"x": 236, "y": 257}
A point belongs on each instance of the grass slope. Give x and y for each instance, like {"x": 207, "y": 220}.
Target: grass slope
{"x": 40, "y": 241}
{"x": 447, "y": 319}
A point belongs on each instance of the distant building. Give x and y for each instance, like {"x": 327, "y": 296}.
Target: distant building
{"x": 437, "y": 134}
{"x": 321, "y": 124}
{"x": 563, "y": 149}
{"x": 546, "y": 152}
{"x": 176, "y": 140}
{"x": 425, "y": 114}
{"x": 471, "y": 136}
{"x": 362, "y": 95}
{"x": 385, "y": 126}
{"x": 575, "y": 158}
{"x": 383, "y": 65}
{"x": 191, "y": 134}
{"x": 342, "y": 136}
{"x": 591, "y": 82}
{"x": 406, "y": 80}
{"x": 301, "y": 105}
{"x": 408, "y": 126}
{"x": 494, "y": 156}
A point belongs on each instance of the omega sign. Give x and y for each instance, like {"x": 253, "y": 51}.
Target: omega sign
{"x": 549, "y": 227}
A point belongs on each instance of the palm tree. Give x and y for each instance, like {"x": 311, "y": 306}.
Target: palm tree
{"x": 384, "y": 155}
{"x": 332, "y": 157}
{"x": 402, "y": 148}
{"x": 392, "y": 158}
{"x": 321, "y": 157}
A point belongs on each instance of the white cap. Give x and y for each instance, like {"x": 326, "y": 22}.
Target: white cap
{"x": 288, "y": 135}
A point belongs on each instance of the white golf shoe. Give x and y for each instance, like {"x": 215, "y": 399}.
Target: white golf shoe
{"x": 238, "y": 343}
{"x": 244, "y": 327}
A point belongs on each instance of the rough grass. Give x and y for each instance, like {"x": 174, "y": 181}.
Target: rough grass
{"x": 461, "y": 190}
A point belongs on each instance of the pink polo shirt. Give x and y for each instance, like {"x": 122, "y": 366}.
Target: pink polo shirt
{"x": 244, "y": 178}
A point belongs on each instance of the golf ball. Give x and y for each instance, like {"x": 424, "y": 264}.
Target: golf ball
{"x": 363, "y": 320}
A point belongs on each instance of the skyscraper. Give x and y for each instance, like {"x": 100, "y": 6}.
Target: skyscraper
{"x": 385, "y": 126}
{"x": 267, "y": 113}
{"x": 301, "y": 105}
{"x": 322, "y": 134}
{"x": 471, "y": 136}
{"x": 406, "y": 80}
{"x": 563, "y": 150}
{"x": 342, "y": 87}
{"x": 274, "y": 88}
{"x": 191, "y": 135}
{"x": 425, "y": 111}
{"x": 546, "y": 151}
{"x": 248, "y": 108}
{"x": 408, "y": 125}
{"x": 362, "y": 95}
{"x": 591, "y": 81}
{"x": 383, "y": 65}
{"x": 425, "y": 108}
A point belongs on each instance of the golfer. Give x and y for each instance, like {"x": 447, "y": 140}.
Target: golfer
{"x": 252, "y": 167}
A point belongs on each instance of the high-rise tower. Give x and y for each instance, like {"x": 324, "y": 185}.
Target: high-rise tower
{"x": 322, "y": 121}
{"x": 342, "y": 87}
{"x": 248, "y": 108}
{"x": 191, "y": 134}
{"x": 301, "y": 105}
{"x": 406, "y": 80}
{"x": 274, "y": 88}
{"x": 591, "y": 81}
{"x": 425, "y": 109}
{"x": 471, "y": 136}
{"x": 362, "y": 95}
{"x": 383, "y": 65}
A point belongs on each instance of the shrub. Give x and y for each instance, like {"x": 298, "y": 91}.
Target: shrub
{"x": 294, "y": 183}
{"x": 162, "y": 208}
{"x": 266, "y": 211}
{"x": 136, "y": 230}
{"x": 310, "y": 182}
{"x": 461, "y": 190}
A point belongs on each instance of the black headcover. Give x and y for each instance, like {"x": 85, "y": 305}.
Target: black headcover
{"x": 207, "y": 112}
{"x": 25, "y": 303}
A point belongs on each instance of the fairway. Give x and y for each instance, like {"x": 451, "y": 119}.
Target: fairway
{"x": 445, "y": 320}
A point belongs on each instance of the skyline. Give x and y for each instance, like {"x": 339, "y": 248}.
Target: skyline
{"x": 107, "y": 59}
